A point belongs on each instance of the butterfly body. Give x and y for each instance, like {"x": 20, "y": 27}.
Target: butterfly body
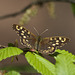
{"x": 37, "y": 43}
{"x": 45, "y": 45}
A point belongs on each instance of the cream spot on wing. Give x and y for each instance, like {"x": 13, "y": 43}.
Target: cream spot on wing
{"x": 27, "y": 41}
{"x": 25, "y": 30}
{"x": 47, "y": 51}
{"x": 52, "y": 48}
{"x": 24, "y": 36}
{"x": 28, "y": 45}
{"x": 17, "y": 28}
{"x": 53, "y": 44}
{"x": 21, "y": 27}
{"x": 63, "y": 40}
{"x": 49, "y": 47}
{"x": 24, "y": 41}
{"x": 57, "y": 40}
{"x": 22, "y": 31}
{"x": 62, "y": 44}
{"x": 51, "y": 38}
{"x": 57, "y": 43}
{"x": 27, "y": 36}
{"x": 28, "y": 32}
{"x": 60, "y": 38}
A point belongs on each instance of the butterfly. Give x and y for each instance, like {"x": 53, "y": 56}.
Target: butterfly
{"x": 46, "y": 45}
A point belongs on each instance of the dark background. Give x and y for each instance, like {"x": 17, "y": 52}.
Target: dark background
{"x": 62, "y": 25}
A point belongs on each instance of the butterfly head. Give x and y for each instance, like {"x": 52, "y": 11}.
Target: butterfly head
{"x": 38, "y": 32}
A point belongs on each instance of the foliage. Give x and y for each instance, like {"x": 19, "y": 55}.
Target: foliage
{"x": 12, "y": 73}
{"x": 8, "y": 52}
{"x": 31, "y": 11}
{"x": 42, "y": 65}
{"x": 28, "y": 14}
{"x": 73, "y": 8}
{"x": 19, "y": 68}
{"x": 51, "y": 9}
{"x": 64, "y": 61}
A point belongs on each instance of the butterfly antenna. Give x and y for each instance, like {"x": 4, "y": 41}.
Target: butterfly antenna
{"x": 36, "y": 30}
{"x": 44, "y": 31}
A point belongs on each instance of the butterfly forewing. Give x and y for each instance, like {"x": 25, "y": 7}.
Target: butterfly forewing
{"x": 26, "y": 37}
{"x": 50, "y": 44}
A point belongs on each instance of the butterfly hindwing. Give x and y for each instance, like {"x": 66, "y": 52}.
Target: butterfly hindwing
{"x": 50, "y": 44}
{"x": 26, "y": 37}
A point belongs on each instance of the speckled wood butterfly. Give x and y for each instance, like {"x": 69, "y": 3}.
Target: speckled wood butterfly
{"x": 44, "y": 45}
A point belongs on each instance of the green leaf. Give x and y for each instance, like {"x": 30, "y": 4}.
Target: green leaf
{"x": 12, "y": 73}
{"x": 42, "y": 65}
{"x": 65, "y": 63}
{"x": 9, "y": 51}
{"x": 20, "y": 68}
{"x": 73, "y": 8}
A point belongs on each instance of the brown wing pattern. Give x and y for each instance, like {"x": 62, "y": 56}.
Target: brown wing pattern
{"x": 50, "y": 44}
{"x": 26, "y": 37}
